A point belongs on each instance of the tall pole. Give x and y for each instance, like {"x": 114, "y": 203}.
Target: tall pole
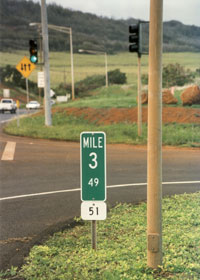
{"x": 139, "y": 97}
{"x": 40, "y": 40}
{"x": 72, "y": 63}
{"x": 106, "y": 69}
{"x": 27, "y": 91}
{"x": 48, "y": 121}
{"x": 154, "y": 172}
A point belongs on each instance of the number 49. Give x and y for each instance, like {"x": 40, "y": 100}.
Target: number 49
{"x": 93, "y": 182}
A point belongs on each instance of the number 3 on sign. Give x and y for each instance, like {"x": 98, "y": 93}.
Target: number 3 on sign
{"x": 94, "y": 160}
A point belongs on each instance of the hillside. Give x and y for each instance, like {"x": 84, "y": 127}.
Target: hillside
{"x": 89, "y": 31}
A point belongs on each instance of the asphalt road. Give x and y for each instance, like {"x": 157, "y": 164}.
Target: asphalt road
{"x": 41, "y": 166}
{"x": 8, "y": 116}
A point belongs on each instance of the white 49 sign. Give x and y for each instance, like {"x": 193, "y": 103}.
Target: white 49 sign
{"x": 96, "y": 210}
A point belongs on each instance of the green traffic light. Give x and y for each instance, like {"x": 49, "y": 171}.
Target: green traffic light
{"x": 33, "y": 51}
{"x": 33, "y": 59}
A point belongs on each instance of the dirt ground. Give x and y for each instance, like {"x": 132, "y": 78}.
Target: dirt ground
{"x": 129, "y": 115}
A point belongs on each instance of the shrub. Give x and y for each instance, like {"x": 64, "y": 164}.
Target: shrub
{"x": 93, "y": 82}
{"x": 116, "y": 77}
{"x": 11, "y": 77}
{"x": 173, "y": 75}
{"x": 176, "y": 75}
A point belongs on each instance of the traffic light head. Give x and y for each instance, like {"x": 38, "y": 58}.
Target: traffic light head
{"x": 134, "y": 38}
{"x": 33, "y": 51}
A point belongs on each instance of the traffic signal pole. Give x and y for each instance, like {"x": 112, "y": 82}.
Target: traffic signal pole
{"x": 48, "y": 121}
{"x": 135, "y": 46}
{"x": 154, "y": 161}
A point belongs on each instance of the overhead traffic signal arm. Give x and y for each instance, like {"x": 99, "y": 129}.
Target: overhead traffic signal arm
{"x": 33, "y": 51}
{"x": 135, "y": 39}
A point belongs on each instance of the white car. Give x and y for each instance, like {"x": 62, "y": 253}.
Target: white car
{"x": 7, "y": 104}
{"x": 33, "y": 105}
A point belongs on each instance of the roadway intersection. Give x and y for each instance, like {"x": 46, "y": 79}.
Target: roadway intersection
{"x": 40, "y": 187}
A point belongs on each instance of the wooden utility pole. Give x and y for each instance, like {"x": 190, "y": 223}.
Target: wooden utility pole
{"x": 139, "y": 97}
{"x": 72, "y": 63}
{"x": 154, "y": 172}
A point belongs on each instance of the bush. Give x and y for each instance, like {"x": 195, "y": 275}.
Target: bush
{"x": 176, "y": 75}
{"x": 89, "y": 83}
{"x": 92, "y": 82}
{"x": 116, "y": 77}
{"x": 173, "y": 75}
{"x": 11, "y": 77}
{"x": 96, "y": 81}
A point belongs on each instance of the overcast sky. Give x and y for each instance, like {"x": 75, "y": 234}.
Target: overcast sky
{"x": 186, "y": 11}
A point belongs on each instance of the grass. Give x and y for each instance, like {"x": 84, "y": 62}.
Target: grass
{"x": 87, "y": 65}
{"x": 113, "y": 96}
{"x": 121, "y": 248}
{"x": 68, "y": 128}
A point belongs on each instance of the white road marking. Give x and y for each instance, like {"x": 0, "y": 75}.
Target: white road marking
{"x": 113, "y": 186}
{"x": 9, "y": 151}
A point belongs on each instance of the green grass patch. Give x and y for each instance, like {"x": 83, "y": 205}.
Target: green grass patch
{"x": 114, "y": 96}
{"x": 68, "y": 128}
{"x": 121, "y": 249}
{"x": 88, "y": 65}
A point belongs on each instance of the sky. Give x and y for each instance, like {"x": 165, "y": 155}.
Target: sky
{"x": 186, "y": 11}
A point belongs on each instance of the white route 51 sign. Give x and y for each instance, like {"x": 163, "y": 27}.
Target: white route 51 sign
{"x": 93, "y": 210}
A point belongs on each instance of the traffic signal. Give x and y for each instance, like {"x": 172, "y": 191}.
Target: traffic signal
{"x": 33, "y": 51}
{"x": 134, "y": 38}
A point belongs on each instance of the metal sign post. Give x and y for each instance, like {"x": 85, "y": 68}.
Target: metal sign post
{"x": 27, "y": 93}
{"x": 17, "y": 104}
{"x": 93, "y": 178}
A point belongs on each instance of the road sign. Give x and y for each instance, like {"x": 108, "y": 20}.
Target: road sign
{"x": 40, "y": 80}
{"x": 25, "y": 67}
{"x": 93, "y": 166}
{"x": 93, "y": 210}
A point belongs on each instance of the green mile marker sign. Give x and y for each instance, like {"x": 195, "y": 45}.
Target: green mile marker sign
{"x": 93, "y": 166}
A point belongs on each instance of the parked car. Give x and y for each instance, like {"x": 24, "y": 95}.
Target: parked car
{"x": 33, "y": 105}
{"x": 8, "y": 104}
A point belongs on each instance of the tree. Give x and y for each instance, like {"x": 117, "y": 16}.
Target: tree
{"x": 173, "y": 75}
{"x": 176, "y": 75}
{"x": 11, "y": 77}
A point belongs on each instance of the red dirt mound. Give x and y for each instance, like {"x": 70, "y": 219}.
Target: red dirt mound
{"x": 191, "y": 95}
{"x": 167, "y": 97}
{"x": 129, "y": 115}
